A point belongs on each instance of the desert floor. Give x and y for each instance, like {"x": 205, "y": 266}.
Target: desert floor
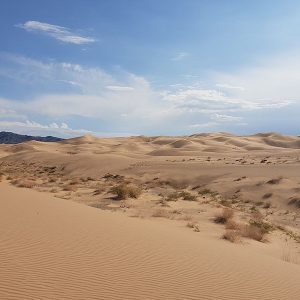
{"x": 206, "y": 216}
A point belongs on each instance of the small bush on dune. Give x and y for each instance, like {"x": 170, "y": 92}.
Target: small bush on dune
{"x": 224, "y": 216}
{"x": 253, "y": 232}
{"x": 267, "y": 195}
{"x": 193, "y": 226}
{"x": 232, "y": 236}
{"x": 187, "y": 196}
{"x": 69, "y": 188}
{"x": 123, "y": 191}
{"x": 233, "y": 225}
{"x": 173, "y": 196}
{"x": 160, "y": 213}
{"x": 24, "y": 183}
{"x": 267, "y": 205}
{"x": 275, "y": 180}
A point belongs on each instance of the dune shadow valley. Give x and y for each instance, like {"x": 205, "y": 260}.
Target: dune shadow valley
{"x": 204, "y": 216}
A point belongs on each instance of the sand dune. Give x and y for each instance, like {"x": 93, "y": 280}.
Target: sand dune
{"x": 55, "y": 249}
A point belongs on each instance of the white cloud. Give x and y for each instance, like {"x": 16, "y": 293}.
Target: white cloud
{"x": 229, "y": 87}
{"x": 276, "y": 79}
{"x": 225, "y": 118}
{"x": 60, "y": 33}
{"x": 203, "y": 125}
{"x": 180, "y": 56}
{"x": 120, "y": 88}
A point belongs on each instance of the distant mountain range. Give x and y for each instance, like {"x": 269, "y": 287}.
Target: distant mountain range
{"x": 14, "y": 138}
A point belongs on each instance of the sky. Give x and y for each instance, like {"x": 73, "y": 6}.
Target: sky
{"x": 149, "y": 67}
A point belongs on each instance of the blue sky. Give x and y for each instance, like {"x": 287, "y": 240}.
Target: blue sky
{"x": 149, "y": 67}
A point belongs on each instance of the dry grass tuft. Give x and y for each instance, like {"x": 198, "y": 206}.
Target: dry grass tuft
{"x": 275, "y": 180}
{"x": 267, "y": 205}
{"x": 123, "y": 191}
{"x": 69, "y": 188}
{"x": 224, "y": 216}
{"x": 160, "y": 213}
{"x": 29, "y": 184}
{"x": 253, "y": 232}
{"x": 267, "y": 195}
{"x": 193, "y": 226}
{"x": 232, "y": 225}
{"x": 232, "y": 236}
{"x": 173, "y": 196}
{"x": 187, "y": 196}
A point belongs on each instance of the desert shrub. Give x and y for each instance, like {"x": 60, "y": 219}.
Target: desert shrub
{"x": 295, "y": 200}
{"x": 69, "y": 188}
{"x": 233, "y": 225}
{"x": 274, "y": 180}
{"x": 75, "y": 181}
{"x": 267, "y": 205}
{"x": 232, "y": 236}
{"x": 264, "y": 226}
{"x": 24, "y": 183}
{"x": 207, "y": 191}
{"x": 97, "y": 192}
{"x": 173, "y": 196}
{"x": 225, "y": 202}
{"x": 267, "y": 195}
{"x": 224, "y": 216}
{"x": 193, "y": 226}
{"x": 134, "y": 192}
{"x": 257, "y": 216}
{"x": 160, "y": 213}
{"x": 187, "y": 196}
{"x": 253, "y": 232}
{"x": 124, "y": 191}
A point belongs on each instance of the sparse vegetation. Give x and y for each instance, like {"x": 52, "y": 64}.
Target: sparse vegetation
{"x": 187, "y": 196}
{"x": 193, "y": 226}
{"x": 253, "y": 232}
{"x": 69, "y": 188}
{"x": 23, "y": 183}
{"x": 275, "y": 180}
{"x": 173, "y": 196}
{"x": 267, "y": 195}
{"x": 160, "y": 213}
{"x": 232, "y": 236}
{"x": 267, "y": 205}
{"x": 124, "y": 191}
{"x": 232, "y": 225}
{"x": 224, "y": 216}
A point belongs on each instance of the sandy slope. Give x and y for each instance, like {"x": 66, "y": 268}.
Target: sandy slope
{"x": 56, "y": 249}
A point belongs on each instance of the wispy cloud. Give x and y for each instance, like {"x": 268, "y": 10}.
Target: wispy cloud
{"x": 60, "y": 33}
{"x": 203, "y": 125}
{"x": 229, "y": 87}
{"x": 180, "y": 56}
{"x": 225, "y": 118}
{"x": 118, "y": 88}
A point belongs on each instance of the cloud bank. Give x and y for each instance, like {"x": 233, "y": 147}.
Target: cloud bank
{"x": 125, "y": 102}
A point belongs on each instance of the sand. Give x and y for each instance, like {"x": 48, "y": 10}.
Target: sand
{"x": 56, "y": 249}
{"x": 65, "y": 233}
